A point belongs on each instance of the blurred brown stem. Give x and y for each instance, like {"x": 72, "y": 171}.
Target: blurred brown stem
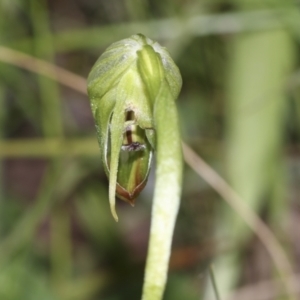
{"x": 42, "y": 67}
{"x": 256, "y": 224}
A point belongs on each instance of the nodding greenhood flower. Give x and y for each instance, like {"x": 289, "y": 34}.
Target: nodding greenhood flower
{"x": 123, "y": 88}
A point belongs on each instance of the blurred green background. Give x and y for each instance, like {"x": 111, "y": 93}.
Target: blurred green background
{"x": 239, "y": 110}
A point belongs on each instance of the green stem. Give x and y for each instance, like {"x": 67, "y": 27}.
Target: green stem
{"x": 61, "y": 246}
{"x": 166, "y": 195}
{"x": 52, "y": 126}
{"x": 51, "y": 117}
{"x": 214, "y": 282}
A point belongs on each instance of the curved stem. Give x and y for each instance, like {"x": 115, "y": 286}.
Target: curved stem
{"x": 250, "y": 217}
{"x": 42, "y": 67}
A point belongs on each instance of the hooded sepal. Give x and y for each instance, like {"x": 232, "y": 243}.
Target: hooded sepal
{"x": 123, "y": 87}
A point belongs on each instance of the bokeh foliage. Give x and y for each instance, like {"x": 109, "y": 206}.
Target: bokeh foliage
{"x": 239, "y": 109}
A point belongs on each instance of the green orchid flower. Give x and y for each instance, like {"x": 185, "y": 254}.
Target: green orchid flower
{"x": 132, "y": 88}
{"x": 123, "y": 87}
